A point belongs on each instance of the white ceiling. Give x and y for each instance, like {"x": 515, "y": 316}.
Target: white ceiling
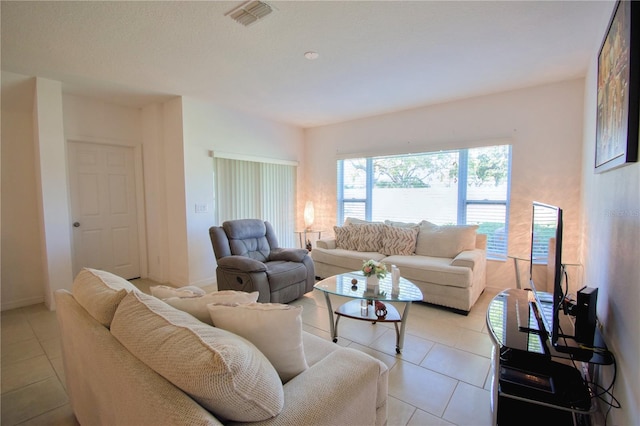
{"x": 375, "y": 56}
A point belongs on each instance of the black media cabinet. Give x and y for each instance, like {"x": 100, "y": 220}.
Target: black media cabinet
{"x": 532, "y": 381}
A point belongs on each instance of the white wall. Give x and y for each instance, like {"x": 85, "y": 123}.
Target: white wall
{"x": 611, "y": 231}
{"x": 544, "y": 125}
{"x": 154, "y": 193}
{"x": 36, "y": 235}
{"x": 22, "y": 268}
{"x": 174, "y": 172}
{"x": 208, "y": 127}
{"x": 52, "y": 188}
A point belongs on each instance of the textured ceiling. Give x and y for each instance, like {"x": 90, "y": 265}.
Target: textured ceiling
{"x": 375, "y": 57}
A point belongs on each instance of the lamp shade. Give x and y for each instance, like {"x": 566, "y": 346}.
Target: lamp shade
{"x": 308, "y": 214}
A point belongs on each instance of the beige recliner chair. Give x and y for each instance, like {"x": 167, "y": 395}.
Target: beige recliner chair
{"x": 249, "y": 259}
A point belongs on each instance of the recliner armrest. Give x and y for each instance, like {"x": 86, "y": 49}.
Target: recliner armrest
{"x": 469, "y": 258}
{"x": 288, "y": 254}
{"x": 242, "y": 263}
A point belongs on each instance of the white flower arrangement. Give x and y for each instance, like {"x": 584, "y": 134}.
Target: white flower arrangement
{"x": 372, "y": 267}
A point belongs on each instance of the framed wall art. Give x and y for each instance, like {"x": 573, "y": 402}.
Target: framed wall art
{"x": 618, "y": 116}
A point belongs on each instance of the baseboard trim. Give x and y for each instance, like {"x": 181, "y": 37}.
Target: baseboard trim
{"x": 15, "y": 304}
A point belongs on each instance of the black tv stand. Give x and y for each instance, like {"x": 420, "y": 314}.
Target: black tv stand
{"x": 532, "y": 379}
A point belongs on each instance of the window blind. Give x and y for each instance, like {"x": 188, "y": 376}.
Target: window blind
{"x": 257, "y": 190}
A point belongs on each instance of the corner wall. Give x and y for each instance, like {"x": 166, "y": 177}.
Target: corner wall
{"x": 209, "y": 127}
{"x": 51, "y": 188}
{"x": 22, "y": 268}
{"x": 36, "y": 236}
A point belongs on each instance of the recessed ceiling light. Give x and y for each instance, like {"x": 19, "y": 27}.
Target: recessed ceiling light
{"x": 311, "y": 55}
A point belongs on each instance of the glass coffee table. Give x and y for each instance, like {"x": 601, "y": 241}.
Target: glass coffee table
{"x": 362, "y": 307}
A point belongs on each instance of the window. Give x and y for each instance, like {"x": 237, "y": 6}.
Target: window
{"x": 466, "y": 186}
{"x": 257, "y": 190}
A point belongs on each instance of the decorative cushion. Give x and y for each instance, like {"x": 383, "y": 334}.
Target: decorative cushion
{"x": 164, "y": 291}
{"x": 423, "y": 236}
{"x": 398, "y": 241}
{"x": 197, "y": 306}
{"x": 343, "y": 237}
{"x": 401, "y": 224}
{"x": 355, "y": 220}
{"x": 223, "y": 372}
{"x": 100, "y": 292}
{"x": 366, "y": 237}
{"x": 446, "y": 241}
{"x": 274, "y": 328}
{"x": 427, "y": 224}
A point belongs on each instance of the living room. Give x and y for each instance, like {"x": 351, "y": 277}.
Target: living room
{"x": 551, "y": 127}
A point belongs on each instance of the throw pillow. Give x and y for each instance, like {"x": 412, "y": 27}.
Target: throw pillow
{"x": 197, "y": 307}
{"x": 355, "y": 220}
{"x": 366, "y": 237}
{"x": 275, "y": 329}
{"x": 223, "y": 372}
{"x": 446, "y": 241}
{"x": 427, "y": 224}
{"x": 423, "y": 242}
{"x": 399, "y": 241}
{"x": 100, "y": 292}
{"x": 400, "y": 224}
{"x": 343, "y": 237}
{"x": 164, "y": 291}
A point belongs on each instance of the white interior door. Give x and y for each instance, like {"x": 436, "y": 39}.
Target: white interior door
{"x": 103, "y": 198}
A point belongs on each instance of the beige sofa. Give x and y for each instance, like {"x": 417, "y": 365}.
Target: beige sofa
{"x": 131, "y": 359}
{"x": 447, "y": 263}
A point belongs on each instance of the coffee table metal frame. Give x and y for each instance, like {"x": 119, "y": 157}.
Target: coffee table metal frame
{"x": 341, "y": 285}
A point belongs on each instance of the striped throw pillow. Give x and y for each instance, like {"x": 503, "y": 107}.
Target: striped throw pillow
{"x": 367, "y": 237}
{"x": 399, "y": 241}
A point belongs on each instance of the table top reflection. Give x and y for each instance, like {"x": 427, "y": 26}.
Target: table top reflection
{"x": 341, "y": 285}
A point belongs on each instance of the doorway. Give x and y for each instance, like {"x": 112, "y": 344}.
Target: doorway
{"x": 103, "y": 208}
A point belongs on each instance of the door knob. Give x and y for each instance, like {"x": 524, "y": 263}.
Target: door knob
{"x": 76, "y": 224}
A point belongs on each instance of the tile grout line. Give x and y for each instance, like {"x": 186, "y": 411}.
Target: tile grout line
{"x": 27, "y": 319}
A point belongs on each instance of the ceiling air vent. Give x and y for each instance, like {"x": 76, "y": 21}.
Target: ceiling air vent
{"x": 250, "y": 12}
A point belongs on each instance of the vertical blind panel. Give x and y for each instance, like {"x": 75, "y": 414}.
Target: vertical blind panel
{"x": 254, "y": 190}
{"x": 237, "y": 189}
{"x": 278, "y": 204}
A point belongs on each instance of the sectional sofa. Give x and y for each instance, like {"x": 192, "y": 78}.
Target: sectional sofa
{"x": 132, "y": 359}
{"x": 447, "y": 263}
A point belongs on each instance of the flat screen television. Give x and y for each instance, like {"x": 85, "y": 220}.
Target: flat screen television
{"x": 546, "y": 223}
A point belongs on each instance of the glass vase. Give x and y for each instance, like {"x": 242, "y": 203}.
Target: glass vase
{"x": 373, "y": 284}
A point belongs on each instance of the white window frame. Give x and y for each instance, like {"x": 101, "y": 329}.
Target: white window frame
{"x": 462, "y": 202}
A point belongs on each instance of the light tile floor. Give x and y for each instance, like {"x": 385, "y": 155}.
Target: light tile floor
{"x": 441, "y": 377}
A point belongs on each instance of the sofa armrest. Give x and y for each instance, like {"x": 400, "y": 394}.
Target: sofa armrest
{"x": 242, "y": 263}
{"x": 481, "y": 241}
{"x": 341, "y": 389}
{"x": 326, "y": 243}
{"x": 469, "y": 258}
{"x": 288, "y": 254}
{"x": 108, "y": 385}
